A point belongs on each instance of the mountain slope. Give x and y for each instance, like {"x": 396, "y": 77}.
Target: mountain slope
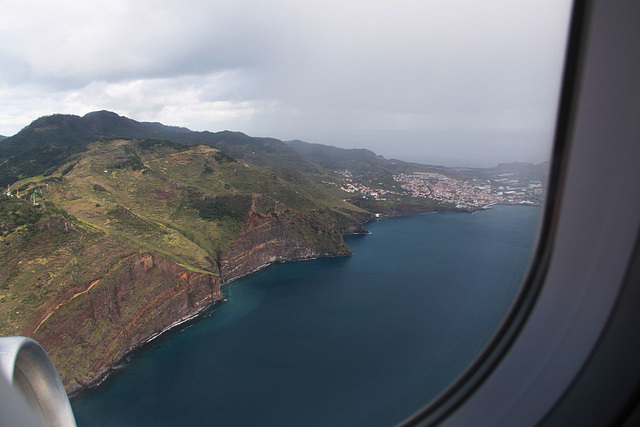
{"x": 361, "y": 162}
{"x": 130, "y": 236}
{"x": 369, "y": 167}
{"x": 355, "y": 159}
{"x": 47, "y": 142}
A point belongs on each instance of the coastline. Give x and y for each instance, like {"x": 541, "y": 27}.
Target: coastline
{"x": 104, "y": 375}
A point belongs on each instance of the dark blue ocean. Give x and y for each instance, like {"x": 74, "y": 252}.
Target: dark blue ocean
{"x": 359, "y": 341}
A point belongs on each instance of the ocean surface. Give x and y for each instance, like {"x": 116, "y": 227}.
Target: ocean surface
{"x": 358, "y": 341}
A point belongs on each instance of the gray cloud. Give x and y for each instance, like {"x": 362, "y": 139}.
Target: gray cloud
{"x": 436, "y": 79}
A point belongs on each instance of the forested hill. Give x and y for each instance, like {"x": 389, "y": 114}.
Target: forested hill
{"x": 338, "y": 158}
{"x": 45, "y": 144}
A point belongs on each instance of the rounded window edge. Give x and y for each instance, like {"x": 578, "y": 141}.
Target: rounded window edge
{"x": 507, "y": 332}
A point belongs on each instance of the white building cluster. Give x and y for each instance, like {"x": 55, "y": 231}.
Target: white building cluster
{"x": 475, "y": 193}
{"x": 446, "y": 189}
{"x": 357, "y": 188}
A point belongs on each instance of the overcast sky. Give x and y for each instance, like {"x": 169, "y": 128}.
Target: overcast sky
{"x": 437, "y": 81}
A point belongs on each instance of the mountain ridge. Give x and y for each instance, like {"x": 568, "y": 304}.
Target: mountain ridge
{"x": 49, "y": 140}
{"x": 333, "y": 157}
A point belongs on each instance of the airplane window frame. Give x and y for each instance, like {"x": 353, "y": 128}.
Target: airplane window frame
{"x": 587, "y": 34}
{"x": 593, "y": 26}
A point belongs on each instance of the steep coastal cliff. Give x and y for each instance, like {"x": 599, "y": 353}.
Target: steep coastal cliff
{"x": 144, "y": 295}
{"x": 133, "y": 237}
{"x": 88, "y": 331}
{"x": 279, "y": 237}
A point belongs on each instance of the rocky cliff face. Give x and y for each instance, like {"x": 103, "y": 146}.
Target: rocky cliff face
{"x": 129, "y": 237}
{"x": 144, "y": 295}
{"x": 279, "y": 237}
{"x": 91, "y": 328}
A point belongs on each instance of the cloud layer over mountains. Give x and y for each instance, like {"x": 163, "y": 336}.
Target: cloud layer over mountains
{"x": 438, "y": 81}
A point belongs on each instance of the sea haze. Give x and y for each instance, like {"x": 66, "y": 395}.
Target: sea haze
{"x": 359, "y": 341}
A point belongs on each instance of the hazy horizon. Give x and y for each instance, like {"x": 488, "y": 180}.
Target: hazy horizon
{"x": 382, "y": 149}
{"x": 438, "y": 82}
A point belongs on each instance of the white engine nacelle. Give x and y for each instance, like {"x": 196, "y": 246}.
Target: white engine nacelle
{"x": 31, "y": 392}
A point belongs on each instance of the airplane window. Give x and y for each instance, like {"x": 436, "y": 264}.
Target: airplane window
{"x": 271, "y": 213}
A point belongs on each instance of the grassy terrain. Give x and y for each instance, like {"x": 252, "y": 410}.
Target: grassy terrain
{"x": 48, "y": 142}
{"x": 43, "y": 257}
{"x": 186, "y": 203}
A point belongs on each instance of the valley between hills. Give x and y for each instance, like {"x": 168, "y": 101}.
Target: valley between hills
{"x": 112, "y": 230}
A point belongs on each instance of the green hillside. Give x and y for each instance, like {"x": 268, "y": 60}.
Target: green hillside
{"x": 186, "y": 202}
{"x": 358, "y": 160}
{"x": 366, "y": 165}
{"x": 71, "y": 234}
{"x": 48, "y": 142}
